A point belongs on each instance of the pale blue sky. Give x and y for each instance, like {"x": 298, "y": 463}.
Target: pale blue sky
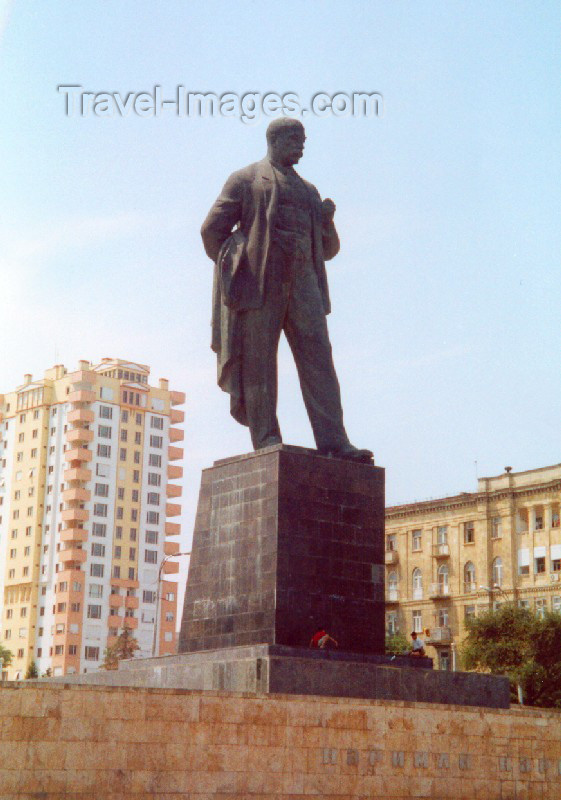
{"x": 446, "y": 293}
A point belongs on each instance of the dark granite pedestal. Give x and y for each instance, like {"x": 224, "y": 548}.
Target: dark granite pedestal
{"x": 286, "y": 540}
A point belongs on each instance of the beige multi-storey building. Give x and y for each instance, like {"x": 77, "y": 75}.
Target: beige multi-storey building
{"x": 451, "y": 558}
{"x": 86, "y": 460}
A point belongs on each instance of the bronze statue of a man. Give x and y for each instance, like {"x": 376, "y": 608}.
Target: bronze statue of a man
{"x": 269, "y": 234}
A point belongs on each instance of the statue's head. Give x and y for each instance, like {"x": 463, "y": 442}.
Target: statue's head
{"x": 285, "y": 140}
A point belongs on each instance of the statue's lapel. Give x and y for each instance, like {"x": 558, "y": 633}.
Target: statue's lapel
{"x": 266, "y": 177}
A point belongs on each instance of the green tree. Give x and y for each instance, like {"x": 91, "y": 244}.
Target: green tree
{"x": 6, "y": 656}
{"x": 125, "y": 647}
{"x": 396, "y": 644}
{"x": 514, "y": 642}
{"x": 32, "y": 671}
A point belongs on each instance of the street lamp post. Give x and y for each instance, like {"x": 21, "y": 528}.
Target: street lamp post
{"x": 158, "y": 596}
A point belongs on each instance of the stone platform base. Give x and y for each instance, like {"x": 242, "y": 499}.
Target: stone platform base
{"x": 64, "y": 742}
{"x": 275, "y": 669}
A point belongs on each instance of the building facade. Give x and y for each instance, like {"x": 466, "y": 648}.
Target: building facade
{"x": 87, "y": 461}
{"x": 451, "y": 558}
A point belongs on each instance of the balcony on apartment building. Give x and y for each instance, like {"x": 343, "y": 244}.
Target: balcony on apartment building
{"x": 392, "y": 595}
{"x": 438, "y": 590}
{"x": 77, "y": 435}
{"x": 172, "y": 528}
{"x": 441, "y": 551}
{"x": 176, "y": 416}
{"x": 74, "y": 535}
{"x": 440, "y": 636}
{"x": 80, "y": 416}
{"x": 77, "y": 474}
{"x": 174, "y": 471}
{"x": 81, "y": 396}
{"x": 76, "y": 494}
{"x": 391, "y": 557}
{"x": 78, "y": 454}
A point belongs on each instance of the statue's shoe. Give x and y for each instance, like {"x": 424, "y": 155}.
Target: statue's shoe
{"x": 351, "y": 453}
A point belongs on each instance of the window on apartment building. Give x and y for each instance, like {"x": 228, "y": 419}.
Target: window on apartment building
{"x": 34, "y": 433}
{"x": 102, "y": 489}
{"x": 20, "y": 652}
{"x": 136, "y": 458}
{"x": 154, "y": 460}
{"x": 497, "y": 571}
{"x": 91, "y": 653}
{"x": 417, "y": 621}
{"x": 61, "y": 608}
{"x": 132, "y": 534}
{"x": 59, "y": 649}
{"x": 117, "y": 551}
{"x": 170, "y": 616}
{"x": 121, "y": 493}
{"x": 96, "y": 570}
{"x": 13, "y": 553}
{"x": 132, "y": 574}
{"x": 416, "y": 540}
{"x": 124, "y": 434}
{"x": 524, "y": 561}
{"x": 132, "y": 553}
{"x": 104, "y": 450}
{"x": 524, "y": 604}
{"x": 118, "y": 532}
{"x": 138, "y": 437}
{"x": 151, "y": 556}
{"x": 119, "y": 514}
{"x": 134, "y": 495}
{"x": 469, "y": 532}
{"x": 31, "y": 491}
{"x": 170, "y": 597}
{"x": 8, "y": 634}
{"x": 124, "y": 415}
{"x": 116, "y": 572}
{"x": 442, "y": 534}
{"x": 14, "y": 533}
{"x": 98, "y": 550}
{"x": 72, "y": 649}
{"x": 102, "y": 470}
{"x": 148, "y": 596}
{"x": 539, "y": 564}
{"x": 152, "y": 517}
{"x": 538, "y": 524}
{"x": 106, "y": 412}
{"x": 469, "y": 612}
{"x": 391, "y": 540}
{"x": 15, "y": 515}
{"x": 21, "y": 437}
{"x": 156, "y": 441}
{"x": 555, "y": 519}
{"x": 151, "y": 537}
{"x": 469, "y": 577}
{"x": 19, "y": 456}
{"x": 63, "y": 586}
{"x": 541, "y": 607}
{"x": 139, "y": 419}
{"x": 94, "y": 612}
{"x": 154, "y": 500}
{"x": 22, "y": 633}
{"x": 9, "y": 613}
{"x": 11, "y": 573}
{"x": 95, "y": 590}
{"x": 34, "y": 452}
{"x": 442, "y": 618}
{"x": 134, "y": 514}
{"x": 417, "y": 584}
{"x": 99, "y": 529}
{"x": 154, "y": 479}
{"x": 123, "y": 454}
{"x": 556, "y": 604}
{"x": 100, "y": 509}
{"x": 391, "y": 622}
{"x": 27, "y": 551}
{"x": 157, "y": 422}
{"x": 555, "y": 556}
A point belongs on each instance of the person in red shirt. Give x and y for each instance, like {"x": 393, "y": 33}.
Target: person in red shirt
{"x": 321, "y": 639}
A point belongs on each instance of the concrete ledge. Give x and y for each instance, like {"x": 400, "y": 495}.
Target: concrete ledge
{"x": 273, "y": 669}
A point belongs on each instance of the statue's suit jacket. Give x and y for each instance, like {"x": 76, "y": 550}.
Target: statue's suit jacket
{"x": 249, "y": 199}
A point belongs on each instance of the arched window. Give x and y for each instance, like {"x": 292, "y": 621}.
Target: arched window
{"x": 393, "y": 586}
{"x": 417, "y": 584}
{"x": 469, "y": 577}
{"x": 497, "y": 569}
{"x": 443, "y": 579}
